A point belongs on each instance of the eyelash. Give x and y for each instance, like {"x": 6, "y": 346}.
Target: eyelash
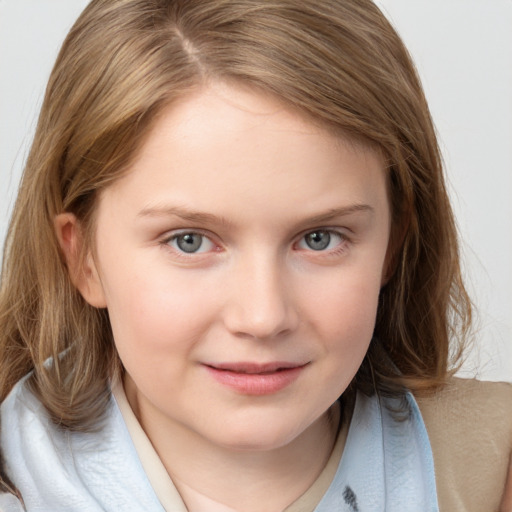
{"x": 340, "y": 247}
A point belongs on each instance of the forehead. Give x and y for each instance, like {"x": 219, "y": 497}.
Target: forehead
{"x": 230, "y": 146}
{"x": 245, "y": 107}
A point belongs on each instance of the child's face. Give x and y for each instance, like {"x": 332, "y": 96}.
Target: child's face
{"x": 241, "y": 260}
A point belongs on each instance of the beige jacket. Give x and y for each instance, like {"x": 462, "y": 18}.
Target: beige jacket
{"x": 470, "y": 428}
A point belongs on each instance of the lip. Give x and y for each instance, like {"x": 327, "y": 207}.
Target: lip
{"x": 254, "y": 378}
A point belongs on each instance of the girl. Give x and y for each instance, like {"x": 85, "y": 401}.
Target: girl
{"x": 231, "y": 279}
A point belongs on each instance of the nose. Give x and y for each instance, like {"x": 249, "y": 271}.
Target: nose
{"x": 261, "y": 302}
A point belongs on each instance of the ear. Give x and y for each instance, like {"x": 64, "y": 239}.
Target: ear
{"x": 82, "y": 272}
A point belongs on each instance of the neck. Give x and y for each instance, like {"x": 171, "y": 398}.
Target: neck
{"x": 223, "y": 479}
{"x": 253, "y": 481}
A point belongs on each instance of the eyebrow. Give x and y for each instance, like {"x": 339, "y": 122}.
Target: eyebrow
{"x": 182, "y": 213}
{"x": 203, "y": 217}
{"x": 344, "y": 211}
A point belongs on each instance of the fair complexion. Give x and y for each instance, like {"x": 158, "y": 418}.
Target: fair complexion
{"x": 240, "y": 259}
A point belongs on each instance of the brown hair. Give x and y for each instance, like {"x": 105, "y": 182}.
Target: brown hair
{"x": 339, "y": 62}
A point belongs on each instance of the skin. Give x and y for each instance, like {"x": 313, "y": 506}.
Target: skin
{"x": 254, "y": 179}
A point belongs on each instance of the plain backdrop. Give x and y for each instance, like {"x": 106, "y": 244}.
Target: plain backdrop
{"x": 463, "y": 51}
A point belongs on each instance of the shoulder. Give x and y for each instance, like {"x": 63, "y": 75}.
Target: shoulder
{"x": 479, "y": 410}
{"x": 469, "y": 424}
{"x": 469, "y": 399}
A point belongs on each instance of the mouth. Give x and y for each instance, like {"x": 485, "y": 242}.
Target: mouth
{"x": 255, "y": 378}
{"x": 256, "y": 368}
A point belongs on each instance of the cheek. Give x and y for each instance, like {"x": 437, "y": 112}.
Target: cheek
{"x": 349, "y": 332}
{"x": 344, "y": 316}
{"x": 346, "y": 305}
{"x": 152, "y": 315}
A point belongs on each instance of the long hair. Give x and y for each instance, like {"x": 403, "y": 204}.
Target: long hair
{"x": 338, "y": 62}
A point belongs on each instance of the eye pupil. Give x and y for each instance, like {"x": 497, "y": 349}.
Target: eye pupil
{"x": 189, "y": 242}
{"x": 318, "y": 240}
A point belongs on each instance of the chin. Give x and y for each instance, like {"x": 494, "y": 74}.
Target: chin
{"x": 258, "y": 436}
{"x": 257, "y": 443}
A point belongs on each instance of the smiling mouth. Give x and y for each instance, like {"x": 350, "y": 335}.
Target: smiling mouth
{"x": 256, "y": 379}
{"x": 256, "y": 368}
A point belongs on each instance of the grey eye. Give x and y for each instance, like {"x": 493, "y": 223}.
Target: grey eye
{"x": 318, "y": 240}
{"x": 188, "y": 242}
